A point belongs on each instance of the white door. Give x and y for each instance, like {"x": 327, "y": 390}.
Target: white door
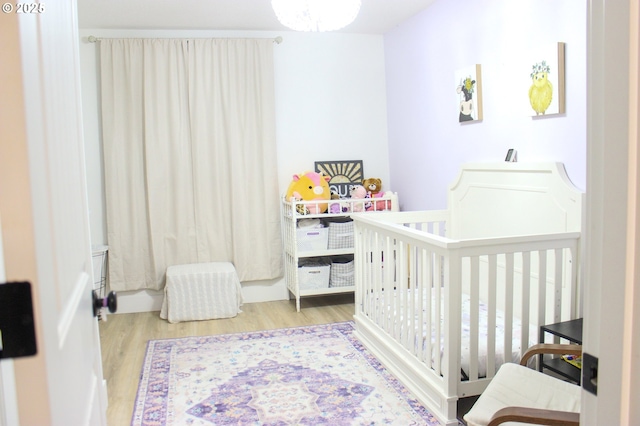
{"x": 43, "y": 206}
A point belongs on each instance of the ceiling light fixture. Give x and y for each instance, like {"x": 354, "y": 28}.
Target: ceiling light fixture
{"x": 316, "y": 15}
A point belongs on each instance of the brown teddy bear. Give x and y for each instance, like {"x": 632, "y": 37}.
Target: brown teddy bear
{"x": 372, "y": 185}
{"x": 374, "y": 190}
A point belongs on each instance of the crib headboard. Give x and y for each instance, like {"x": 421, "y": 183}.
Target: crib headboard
{"x": 508, "y": 199}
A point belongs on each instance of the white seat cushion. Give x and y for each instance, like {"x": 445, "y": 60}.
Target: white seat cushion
{"x": 515, "y": 385}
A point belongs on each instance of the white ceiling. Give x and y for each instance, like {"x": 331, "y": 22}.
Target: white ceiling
{"x": 376, "y": 16}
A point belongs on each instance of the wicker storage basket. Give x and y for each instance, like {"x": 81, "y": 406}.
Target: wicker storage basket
{"x": 340, "y": 235}
{"x": 342, "y": 272}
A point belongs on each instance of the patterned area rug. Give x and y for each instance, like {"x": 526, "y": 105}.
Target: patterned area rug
{"x": 296, "y": 376}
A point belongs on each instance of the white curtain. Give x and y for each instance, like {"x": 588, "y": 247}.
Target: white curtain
{"x": 189, "y": 157}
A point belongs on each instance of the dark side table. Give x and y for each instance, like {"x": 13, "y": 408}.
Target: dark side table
{"x": 571, "y": 331}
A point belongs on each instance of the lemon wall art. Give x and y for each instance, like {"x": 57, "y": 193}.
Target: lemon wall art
{"x": 546, "y": 84}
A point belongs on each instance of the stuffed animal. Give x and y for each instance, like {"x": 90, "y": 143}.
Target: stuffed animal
{"x": 372, "y": 185}
{"x": 335, "y": 207}
{"x": 374, "y": 189}
{"x": 358, "y": 192}
{"x": 308, "y": 187}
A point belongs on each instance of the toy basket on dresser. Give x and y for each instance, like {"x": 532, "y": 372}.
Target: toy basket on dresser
{"x": 443, "y": 298}
{"x": 319, "y": 247}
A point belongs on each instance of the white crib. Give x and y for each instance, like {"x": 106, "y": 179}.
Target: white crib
{"x": 443, "y": 298}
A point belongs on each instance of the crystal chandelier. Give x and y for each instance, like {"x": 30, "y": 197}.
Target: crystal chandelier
{"x": 316, "y": 15}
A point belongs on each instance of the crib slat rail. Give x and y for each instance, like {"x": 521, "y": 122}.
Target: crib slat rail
{"x": 415, "y": 289}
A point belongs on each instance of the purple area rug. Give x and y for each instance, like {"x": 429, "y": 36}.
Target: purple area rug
{"x": 296, "y": 376}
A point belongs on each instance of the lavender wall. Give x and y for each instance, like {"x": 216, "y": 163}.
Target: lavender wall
{"x": 427, "y": 144}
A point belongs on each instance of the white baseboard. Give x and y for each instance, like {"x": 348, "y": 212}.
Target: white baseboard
{"x": 264, "y": 291}
{"x": 151, "y": 300}
{"x": 139, "y": 301}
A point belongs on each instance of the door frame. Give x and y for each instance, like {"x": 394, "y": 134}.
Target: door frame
{"x": 610, "y": 193}
{"x": 8, "y": 398}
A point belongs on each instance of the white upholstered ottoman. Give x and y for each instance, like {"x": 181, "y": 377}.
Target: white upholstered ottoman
{"x": 201, "y": 291}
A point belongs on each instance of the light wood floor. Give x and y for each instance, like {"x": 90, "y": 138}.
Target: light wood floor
{"x": 124, "y": 338}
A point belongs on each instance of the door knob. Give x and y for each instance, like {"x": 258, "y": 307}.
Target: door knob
{"x": 110, "y": 302}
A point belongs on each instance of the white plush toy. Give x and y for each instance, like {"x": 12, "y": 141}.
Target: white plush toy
{"x": 358, "y": 192}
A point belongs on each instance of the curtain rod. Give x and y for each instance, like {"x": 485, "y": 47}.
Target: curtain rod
{"x": 93, "y": 39}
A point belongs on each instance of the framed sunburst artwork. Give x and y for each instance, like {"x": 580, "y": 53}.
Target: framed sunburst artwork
{"x": 342, "y": 174}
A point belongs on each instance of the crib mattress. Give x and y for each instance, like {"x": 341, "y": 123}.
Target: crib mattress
{"x": 465, "y": 336}
{"x": 201, "y": 291}
{"x": 465, "y": 349}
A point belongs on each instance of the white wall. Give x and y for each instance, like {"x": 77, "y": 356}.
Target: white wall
{"x": 330, "y": 105}
{"x": 427, "y": 143}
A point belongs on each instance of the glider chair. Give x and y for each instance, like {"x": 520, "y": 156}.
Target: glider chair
{"x": 520, "y": 394}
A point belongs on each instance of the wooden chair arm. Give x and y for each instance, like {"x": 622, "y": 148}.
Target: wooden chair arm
{"x": 536, "y": 416}
{"x": 551, "y": 348}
